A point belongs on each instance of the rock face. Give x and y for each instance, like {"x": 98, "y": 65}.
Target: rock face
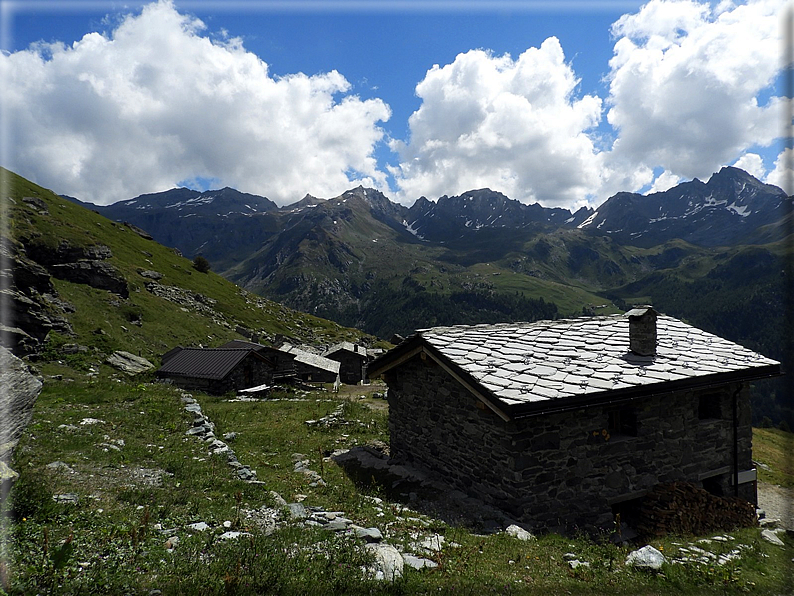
{"x": 96, "y": 274}
{"x": 18, "y": 392}
{"x": 129, "y": 363}
{"x": 79, "y": 264}
{"x": 30, "y": 297}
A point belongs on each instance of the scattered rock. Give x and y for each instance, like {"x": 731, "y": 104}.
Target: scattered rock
{"x": 129, "y": 363}
{"x": 149, "y": 274}
{"x": 66, "y": 498}
{"x": 368, "y": 534}
{"x": 388, "y": 562}
{"x": 36, "y": 204}
{"x": 91, "y": 421}
{"x": 297, "y": 511}
{"x": 198, "y": 527}
{"x": 646, "y": 558}
{"x": 418, "y": 562}
{"x": 232, "y": 535}
{"x": 771, "y": 537}
{"x": 575, "y": 563}
{"x": 95, "y": 273}
{"x": 142, "y": 233}
{"x": 519, "y": 533}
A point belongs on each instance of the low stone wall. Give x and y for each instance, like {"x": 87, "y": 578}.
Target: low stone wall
{"x": 564, "y": 470}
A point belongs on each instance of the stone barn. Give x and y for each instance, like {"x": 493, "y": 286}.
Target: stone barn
{"x": 216, "y": 370}
{"x": 564, "y": 423}
{"x": 352, "y": 359}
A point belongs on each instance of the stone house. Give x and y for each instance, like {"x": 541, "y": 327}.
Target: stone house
{"x": 352, "y": 360}
{"x": 291, "y": 362}
{"x": 216, "y": 370}
{"x": 310, "y": 367}
{"x": 564, "y": 423}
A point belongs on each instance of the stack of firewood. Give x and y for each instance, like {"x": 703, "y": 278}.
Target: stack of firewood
{"x": 683, "y": 508}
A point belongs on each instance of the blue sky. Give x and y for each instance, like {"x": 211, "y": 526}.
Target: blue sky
{"x": 110, "y": 100}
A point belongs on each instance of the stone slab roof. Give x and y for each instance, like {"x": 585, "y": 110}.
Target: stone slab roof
{"x": 311, "y": 359}
{"x": 523, "y": 365}
{"x": 346, "y": 346}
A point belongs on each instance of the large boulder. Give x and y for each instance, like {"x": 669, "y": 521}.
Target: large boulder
{"x": 129, "y": 363}
{"x": 18, "y": 392}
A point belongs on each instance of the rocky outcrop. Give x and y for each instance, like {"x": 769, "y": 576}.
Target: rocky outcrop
{"x": 18, "y": 392}
{"x": 78, "y": 264}
{"x": 97, "y": 274}
{"x": 28, "y": 295}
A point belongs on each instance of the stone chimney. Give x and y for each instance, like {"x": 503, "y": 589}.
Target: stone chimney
{"x": 642, "y": 331}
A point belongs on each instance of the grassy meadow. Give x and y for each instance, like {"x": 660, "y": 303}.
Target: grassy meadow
{"x": 139, "y": 481}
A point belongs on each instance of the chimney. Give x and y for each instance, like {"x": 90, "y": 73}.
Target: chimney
{"x": 642, "y": 331}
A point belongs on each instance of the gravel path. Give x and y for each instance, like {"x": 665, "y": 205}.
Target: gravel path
{"x": 777, "y": 502}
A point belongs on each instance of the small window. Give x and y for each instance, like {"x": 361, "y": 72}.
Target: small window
{"x": 622, "y": 422}
{"x": 710, "y": 406}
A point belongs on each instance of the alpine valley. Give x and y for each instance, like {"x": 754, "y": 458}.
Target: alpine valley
{"x": 712, "y": 253}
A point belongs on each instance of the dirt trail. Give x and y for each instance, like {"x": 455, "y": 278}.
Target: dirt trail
{"x": 777, "y": 502}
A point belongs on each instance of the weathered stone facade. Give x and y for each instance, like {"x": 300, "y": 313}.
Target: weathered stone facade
{"x": 564, "y": 470}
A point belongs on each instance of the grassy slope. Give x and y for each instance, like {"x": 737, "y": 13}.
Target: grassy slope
{"x": 775, "y": 449}
{"x": 116, "y": 546}
{"x": 165, "y": 324}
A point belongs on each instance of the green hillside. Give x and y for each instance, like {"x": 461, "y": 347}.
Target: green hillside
{"x": 204, "y": 308}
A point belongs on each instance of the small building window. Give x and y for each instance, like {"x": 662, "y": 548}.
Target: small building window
{"x": 622, "y": 422}
{"x": 710, "y": 406}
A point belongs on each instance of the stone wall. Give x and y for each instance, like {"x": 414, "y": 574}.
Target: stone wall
{"x": 564, "y": 470}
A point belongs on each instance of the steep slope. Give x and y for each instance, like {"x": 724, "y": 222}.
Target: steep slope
{"x": 96, "y": 283}
{"x": 727, "y": 210}
{"x": 220, "y": 224}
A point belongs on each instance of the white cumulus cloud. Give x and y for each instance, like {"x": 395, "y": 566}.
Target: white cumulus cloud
{"x": 685, "y": 81}
{"x": 157, "y": 101}
{"x": 752, "y": 163}
{"x": 516, "y": 126}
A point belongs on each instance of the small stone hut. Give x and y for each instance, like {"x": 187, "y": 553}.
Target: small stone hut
{"x": 352, "y": 359}
{"x": 216, "y": 370}
{"x": 564, "y": 423}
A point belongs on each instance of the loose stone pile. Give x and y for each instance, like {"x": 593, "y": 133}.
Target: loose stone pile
{"x": 204, "y": 429}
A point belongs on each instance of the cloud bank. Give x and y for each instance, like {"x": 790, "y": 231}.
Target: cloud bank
{"x": 155, "y": 102}
{"x": 684, "y": 87}
{"x": 158, "y": 101}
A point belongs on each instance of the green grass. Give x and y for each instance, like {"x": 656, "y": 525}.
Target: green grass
{"x": 164, "y": 324}
{"x": 775, "y": 449}
{"x": 110, "y": 542}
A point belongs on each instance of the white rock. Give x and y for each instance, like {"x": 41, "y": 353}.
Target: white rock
{"x": 519, "y": 533}
{"x": 418, "y": 562}
{"x": 198, "y": 527}
{"x": 771, "y": 537}
{"x": 232, "y": 535}
{"x": 646, "y": 558}
{"x": 388, "y": 561}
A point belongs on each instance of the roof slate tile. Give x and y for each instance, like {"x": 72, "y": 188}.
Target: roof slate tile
{"x": 533, "y": 362}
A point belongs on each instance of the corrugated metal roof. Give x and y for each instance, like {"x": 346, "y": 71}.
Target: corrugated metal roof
{"x": 204, "y": 363}
{"x": 534, "y": 363}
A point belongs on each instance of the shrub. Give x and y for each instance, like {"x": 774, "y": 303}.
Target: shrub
{"x": 201, "y": 264}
